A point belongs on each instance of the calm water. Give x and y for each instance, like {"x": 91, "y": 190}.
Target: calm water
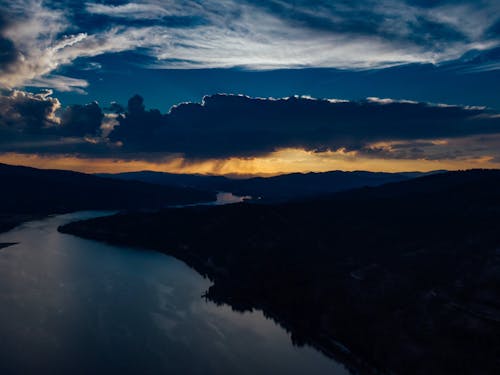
{"x": 69, "y": 305}
{"x": 222, "y": 198}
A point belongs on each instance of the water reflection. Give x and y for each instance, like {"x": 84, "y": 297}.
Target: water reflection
{"x": 70, "y": 305}
{"x": 227, "y": 198}
{"x": 222, "y": 198}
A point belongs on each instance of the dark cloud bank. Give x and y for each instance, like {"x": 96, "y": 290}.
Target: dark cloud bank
{"x": 231, "y": 125}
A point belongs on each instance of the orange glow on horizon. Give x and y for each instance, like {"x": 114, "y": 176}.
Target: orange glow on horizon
{"x": 279, "y": 162}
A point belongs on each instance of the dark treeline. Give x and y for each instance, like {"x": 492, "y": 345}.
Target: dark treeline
{"x": 406, "y": 275}
{"x": 30, "y": 193}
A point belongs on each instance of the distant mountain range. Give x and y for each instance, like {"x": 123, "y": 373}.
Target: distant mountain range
{"x": 405, "y": 275}
{"x": 273, "y": 189}
{"x": 29, "y": 191}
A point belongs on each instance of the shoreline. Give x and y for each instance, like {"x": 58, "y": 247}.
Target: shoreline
{"x": 328, "y": 346}
{"x": 9, "y": 221}
{"x": 388, "y": 297}
{"x": 7, "y": 244}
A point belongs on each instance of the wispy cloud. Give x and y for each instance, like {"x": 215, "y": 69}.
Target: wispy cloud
{"x": 139, "y": 10}
{"x": 43, "y": 36}
{"x": 60, "y": 83}
{"x": 42, "y": 42}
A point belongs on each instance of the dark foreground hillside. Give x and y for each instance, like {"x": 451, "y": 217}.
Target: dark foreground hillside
{"x": 406, "y": 275}
{"x": 28, "y": 193}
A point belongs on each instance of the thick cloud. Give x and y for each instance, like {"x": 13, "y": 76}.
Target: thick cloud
{"x": 138, "y": 126}
{"x": 36, "y": 123}
{"x": 82, "y": 120}
{"x": 230, "y": 125}
{"x": 24, "y": 112}
{"x": 224, "y": 126}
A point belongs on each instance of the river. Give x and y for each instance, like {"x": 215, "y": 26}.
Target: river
{"x": 75, "y": 306}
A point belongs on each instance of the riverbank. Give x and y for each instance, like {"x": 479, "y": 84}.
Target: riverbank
{"x": 406, "y": 277}
{"x": 9, "y": 221}
{"x": 62, "y": 191}
{"x": 226, "y": 290}
{"x": 65, "y": 298}
{"x": 7, "y": 244}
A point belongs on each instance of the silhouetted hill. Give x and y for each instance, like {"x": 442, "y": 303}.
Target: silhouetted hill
{"x": 30, "y": 191}
{"x": 273, "y": 189}
{"x": 173, "y": 179}
{"x": 406, "y": 275}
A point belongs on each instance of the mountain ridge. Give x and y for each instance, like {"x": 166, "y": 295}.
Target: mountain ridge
{"x": 29, "y": 193}
{"x": 278, "y": 188}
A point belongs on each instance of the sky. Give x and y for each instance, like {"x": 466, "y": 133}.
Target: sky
{"x": 250, "y": 86}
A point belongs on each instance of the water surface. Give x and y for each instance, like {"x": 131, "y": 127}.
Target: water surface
{"x": 222, "y": 198}
{"x": 70, "y": 305}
